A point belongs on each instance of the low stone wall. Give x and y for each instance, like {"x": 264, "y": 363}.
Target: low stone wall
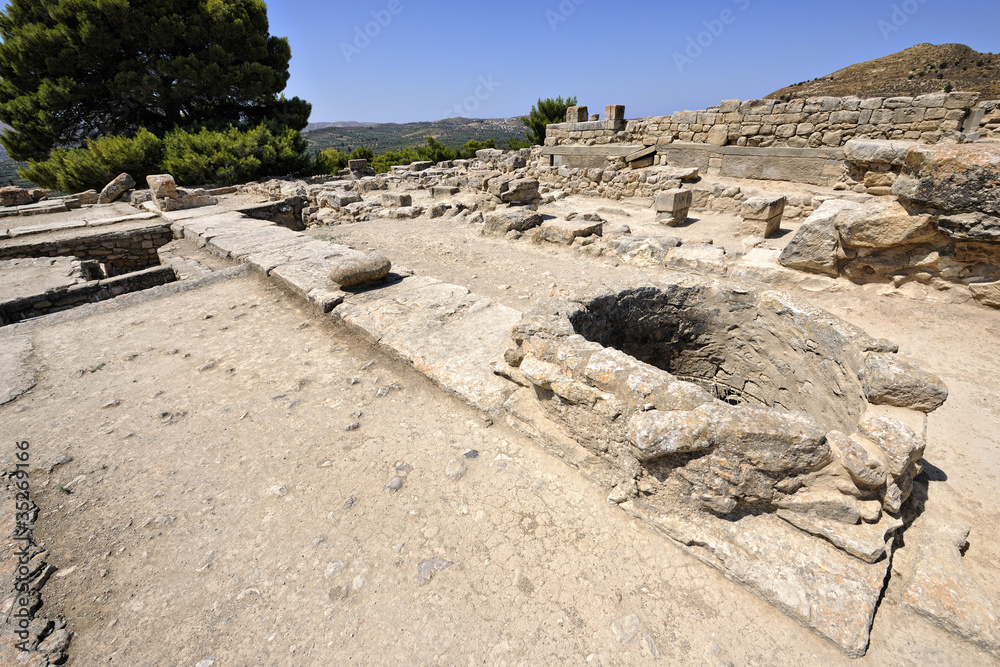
{"x": 120, "y": 251}
{"x": 811, "y": 123}
{"x": 93, "y": 291}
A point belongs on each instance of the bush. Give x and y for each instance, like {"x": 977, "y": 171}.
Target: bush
{"x": 193, "y": 158}
{"x": 544, "y": 113}
{"x": 78, "y": 169}
{"x": 330, "y": 161}
{"x": 232, "y": 156}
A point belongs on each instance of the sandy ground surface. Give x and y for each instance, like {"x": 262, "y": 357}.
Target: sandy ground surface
{"x": 216, "y": 507}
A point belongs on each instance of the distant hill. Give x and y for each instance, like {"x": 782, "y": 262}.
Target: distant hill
{"x": 384, "y": 137}
{"x": 920, "y": 69}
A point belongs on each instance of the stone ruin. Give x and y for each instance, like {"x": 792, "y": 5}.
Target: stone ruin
{"x": 740, "y": 423}
{"x": 770, "y": 439}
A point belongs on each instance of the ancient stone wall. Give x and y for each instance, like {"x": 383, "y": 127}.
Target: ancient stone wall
{"x": 119, "y": 251}
{"x": 811, "y": 123}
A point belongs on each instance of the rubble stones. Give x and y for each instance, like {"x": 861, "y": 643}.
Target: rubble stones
{"x": 114, "y": 190}
{"x": 882, "y": 223}
{"x": 814, "y": 246}
{"x": 520, "y": 191}
{"x": 167, "y": 196}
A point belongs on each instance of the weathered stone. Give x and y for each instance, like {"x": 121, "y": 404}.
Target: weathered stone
{"x": 359, "y": 268}
{"x": 521, "y": 191}
{"x": 566, "y": 231}
{"x": 443, "y": 191}
{"x": 901, "y": 446}
{"x": 577, "y": 114}
{"x": 396, "y": 199}
{"x": 814, "y": 246}
{"x": 357, "y": 165}
{"x": 87, "y": 197}
{"x": 772, "y": 441}
{"x": 860, "y": 457}
{"x": 864, "y": 540}
{"x": 698, "y": 258}
{"x": 421, "y": 165}
{"x": 887, "y": 380}
{"x": 614, "y": 112}
{"x": 168, "y": 197}
{"x": 761, "y": 216}
{"x": 718, "y": 136}
{"x": 952, "y": 178}
{"x": 970, "y": 226}
{"x": 883, "y": 222}
{"x": 673, "y": 200}
{"x": 12, "y": 195}
{"x": 940, "y": 588}
{"x": 986, "y": 293}
{"x": 645, "y": 251}
{"x": 114, "y": 190}
{"x": 337, "y": 199}
{"x": 502, "y": 221}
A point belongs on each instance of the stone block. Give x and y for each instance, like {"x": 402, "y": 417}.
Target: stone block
{"x": 396, "y": 199}
{"x": 673, "y": 200}
{"x": 614, "y": 112}
{"x": 357, "y": 165}
{"x": 502, "y": 221}
{"x": 421, "y": 165}
{"x": 520, "y": 191}
{"x": 577, "y": 114}
{"x": 566, "y": 231}
{"x": 443, "y": 191}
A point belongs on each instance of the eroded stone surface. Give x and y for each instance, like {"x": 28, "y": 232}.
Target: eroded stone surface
{"x": 938, "y": 585}
{"x": 16, "y": 373}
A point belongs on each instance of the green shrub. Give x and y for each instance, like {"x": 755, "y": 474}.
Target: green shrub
{"x": 330, "y": 161}
{"x": 78, "y": 169}
{"x": 232, "y": 156}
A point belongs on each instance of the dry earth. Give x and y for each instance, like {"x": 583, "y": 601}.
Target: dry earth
{"x": 218, "y": 509}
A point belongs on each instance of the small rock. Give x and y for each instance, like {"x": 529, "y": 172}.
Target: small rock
{"x": 207, "y": 662}
{"x": 471, "y": 454}
{"x": 111, "y": 404}
{"x": 455, "y": 469}
{"x": 395, "y": 485}
{"x": 279, "y": 491}
{"x": 58, "y": 460}
{"x": 428, "y": 568}
{"x": 334, "y": 569}
{"x": 625, "y": 628}
{"x": 353, "y": 426}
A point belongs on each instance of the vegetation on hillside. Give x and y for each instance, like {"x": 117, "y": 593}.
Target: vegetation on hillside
{"x": 391, "y": 137}
{"x": 921, "y": 69}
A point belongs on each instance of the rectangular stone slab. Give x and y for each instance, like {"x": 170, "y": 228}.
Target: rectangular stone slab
{"x": 810, "y": 580}
{"x": 448, "y": 333}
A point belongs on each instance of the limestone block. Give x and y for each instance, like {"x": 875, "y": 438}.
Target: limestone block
{"x": 987, "y": 294}
{"x": 673, "y": 200}
{"x": 698, "y": 258}
{"x": 883, "y": 222}
{"x": 12, "y": 195}
{"x": 115, "y": 189}
{"x": 421, "y": 165}
{"x": 566, "y": 231}
{"x": 887, "y": 380}
{"x": 761, "y": 215}
{"x": 502, "y": 221}
{"x": 577, "y": 114}
{"x": 814, "y": 246}
{"x": 396, "y": 199}
{"x": 958, "y": 177}
{"x": 443, "y": 191}
{"x": 644, "y": 251}
{"x": 520, "y": 191}
{"x": 940, "y": 588}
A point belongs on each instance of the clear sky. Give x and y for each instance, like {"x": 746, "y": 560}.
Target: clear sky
{"x": 417, "y": 60}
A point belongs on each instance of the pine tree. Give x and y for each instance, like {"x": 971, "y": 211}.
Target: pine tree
{"x": 544, "y": 113}
{"x": 77, "y": 69}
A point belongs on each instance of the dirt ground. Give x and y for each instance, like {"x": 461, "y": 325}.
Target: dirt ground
{"x": 219, "y": 509}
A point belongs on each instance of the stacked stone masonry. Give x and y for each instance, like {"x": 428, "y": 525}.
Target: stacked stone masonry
{"x": 810, "y": 123}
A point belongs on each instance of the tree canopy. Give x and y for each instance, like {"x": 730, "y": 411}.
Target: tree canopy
{"x": 72, "y": 70}
{"x": 546, "y": 112}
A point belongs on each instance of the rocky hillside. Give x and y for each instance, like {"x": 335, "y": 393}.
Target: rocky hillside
{"x": 924, "y": 68}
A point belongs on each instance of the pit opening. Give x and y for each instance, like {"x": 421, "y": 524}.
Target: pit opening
{"x": 739, "y": 350}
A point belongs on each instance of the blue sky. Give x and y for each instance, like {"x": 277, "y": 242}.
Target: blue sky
{"x": 412, "y": 60}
